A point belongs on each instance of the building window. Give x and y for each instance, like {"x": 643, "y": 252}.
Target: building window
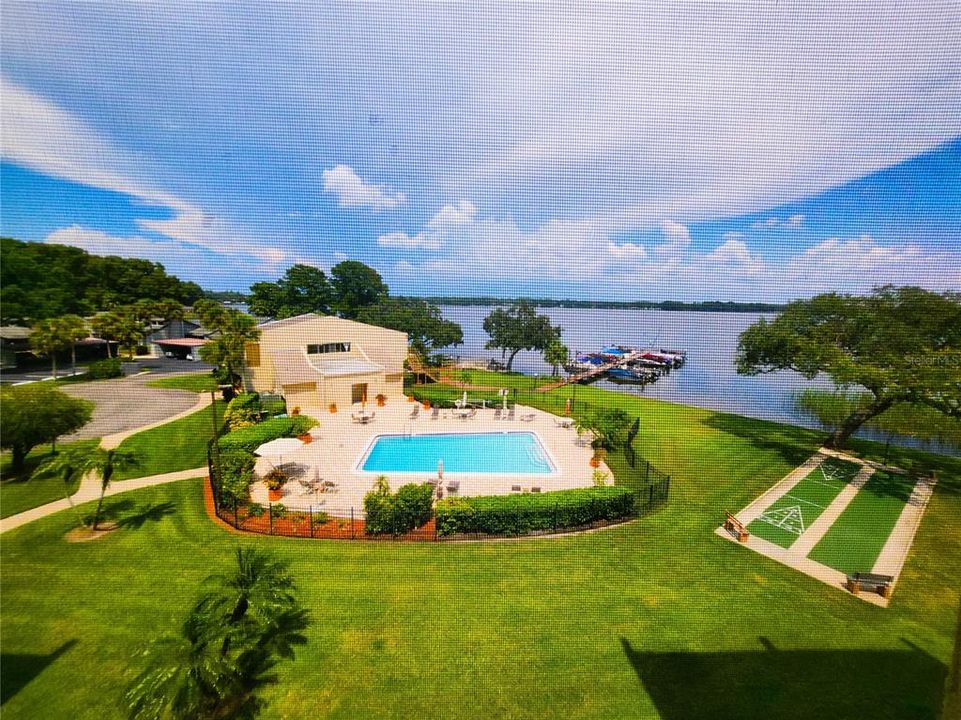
{"x": 322, "y": 348}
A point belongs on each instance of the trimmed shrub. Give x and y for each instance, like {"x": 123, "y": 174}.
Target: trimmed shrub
{"x": 104, "y": 369}
{"x": 242, "y": 411}
{"x": 250, "y": 438}
{"x": 523, "y": 514}
{"x": 396, "y": 514}
{"x": 236, "y": 474}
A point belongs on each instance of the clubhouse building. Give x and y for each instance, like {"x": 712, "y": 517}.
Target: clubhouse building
{"x": 316, "y": 360}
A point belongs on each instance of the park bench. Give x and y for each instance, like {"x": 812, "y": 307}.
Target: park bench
{"x": 869, "y": 581}
{"x": 736, "y": 528}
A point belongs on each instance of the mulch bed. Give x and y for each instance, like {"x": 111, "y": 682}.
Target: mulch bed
{"x": 297, "y": 524}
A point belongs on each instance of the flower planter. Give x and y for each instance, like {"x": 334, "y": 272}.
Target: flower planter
{"x": 594, "y": 461}
{"x": 275, "y": 495}
{"x": 426, "y": 405}
{"x": 381, "y": 401}
{"x": 306, "y": 438}
{"x": 332, "y": 407}
{"x": 410, "y": 398}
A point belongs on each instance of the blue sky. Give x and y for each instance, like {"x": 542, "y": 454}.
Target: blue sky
{"x": 732, "y": 151}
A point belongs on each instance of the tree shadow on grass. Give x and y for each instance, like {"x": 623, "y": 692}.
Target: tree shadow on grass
{"x": 792, "y": 684}
{"x": 794, "y": 444}
{"x": 17, "y": 670}
{"x": 128, "y": 514}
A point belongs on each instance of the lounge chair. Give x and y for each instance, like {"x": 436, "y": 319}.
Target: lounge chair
{"x": 453, "y": 486}
{"x": 511, "y": 415}
{"x": 415, "y": 412}
{"x": 435, "y": 413}
{"x": 529, "y": 417}
{"x": 497, "y": 414}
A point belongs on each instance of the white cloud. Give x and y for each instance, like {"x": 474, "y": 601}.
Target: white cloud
{"x": 420, "y": 241}
{"x": 627, "y": 250}
{"x": 794, "y": 222}
{"x": 352, "y": 191}
{"x": 732, "y": 235}
{"x": 768, "y": 224}
{"x": 675, "y": 232}
{"x": 41, "y": 136}
{"x": 451, "y": 215}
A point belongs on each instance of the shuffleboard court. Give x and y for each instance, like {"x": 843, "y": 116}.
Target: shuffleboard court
{"x": 858, "y": 535}
{"x": 789, "y": 516}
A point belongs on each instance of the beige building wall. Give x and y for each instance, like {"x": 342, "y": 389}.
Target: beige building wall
{"x": 368, "y": 343}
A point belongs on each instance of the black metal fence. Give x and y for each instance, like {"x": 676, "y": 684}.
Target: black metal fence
{"x": 650, "y": 486}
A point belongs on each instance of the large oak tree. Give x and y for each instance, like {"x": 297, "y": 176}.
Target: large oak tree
{"x": 903, "y": 345}
{"x": 517, "y": 328}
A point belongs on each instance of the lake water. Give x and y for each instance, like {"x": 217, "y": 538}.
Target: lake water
{"x": 707, "y": 380}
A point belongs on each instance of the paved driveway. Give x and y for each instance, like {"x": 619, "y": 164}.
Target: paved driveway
{"x": 126, "y": 403}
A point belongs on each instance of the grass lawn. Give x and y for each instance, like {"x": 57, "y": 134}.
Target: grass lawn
{"x": 856, "y": 538}
{"x": 658, "y": 618}
{"x": 20, "y": 491}
{"x": 197, "y": 382}
{"x": 811, "y": 494}
{"x": 178, "y": 445}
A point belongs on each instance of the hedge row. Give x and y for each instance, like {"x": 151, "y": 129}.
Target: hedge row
{"x": 523, "y": 514}
{"x": 250, "y": 438}
{"x": 407, "y": 509}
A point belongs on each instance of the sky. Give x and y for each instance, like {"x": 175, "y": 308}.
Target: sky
{"x": 685, "y": 151}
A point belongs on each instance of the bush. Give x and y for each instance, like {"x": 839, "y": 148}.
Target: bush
{"x": 388, "y": 514}
{"x": 250, "y": 438}
{"x": 523, "y": 514}
{"x": 104, "y": 369}
{"x": 242, "y": 411}
{"x": 236, "y": 474}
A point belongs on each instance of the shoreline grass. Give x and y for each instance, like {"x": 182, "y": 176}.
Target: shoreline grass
{"x": 922, "y": 423}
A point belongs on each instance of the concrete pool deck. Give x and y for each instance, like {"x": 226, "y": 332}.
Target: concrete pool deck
{"x": 339, "y": 444}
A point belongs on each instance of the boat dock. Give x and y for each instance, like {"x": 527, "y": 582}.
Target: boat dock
{"x": 656, "y": 362}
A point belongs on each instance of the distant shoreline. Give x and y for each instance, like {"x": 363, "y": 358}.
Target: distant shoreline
{"x": 669, "y": 305}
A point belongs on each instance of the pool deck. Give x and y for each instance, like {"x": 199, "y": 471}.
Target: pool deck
{"x": 339, "y": 443}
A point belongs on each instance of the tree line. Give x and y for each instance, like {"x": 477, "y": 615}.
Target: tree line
{"x": 40, "y": 281}
{"x": 672, "y": 305}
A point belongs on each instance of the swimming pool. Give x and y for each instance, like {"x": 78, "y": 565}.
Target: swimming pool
{"x": 491, "y": 452}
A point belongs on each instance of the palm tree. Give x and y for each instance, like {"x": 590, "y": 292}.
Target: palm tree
{"x": 48, "y": 338}
{"x": 106, "y": 463}
{"x": 74, "y": 327}
{"x": 69, "y": 465}
{"x": 555, "y": 354}
{"x": 226, "y": 647}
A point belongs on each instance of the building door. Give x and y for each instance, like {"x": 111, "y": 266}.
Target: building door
{"x": 358, "y": 393}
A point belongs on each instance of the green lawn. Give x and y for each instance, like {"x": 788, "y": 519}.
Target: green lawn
{"x": 20, "y": 491}
{"x": 658, "y": 618}
{"x": 812, "y": 494}
{"x": 178, "y": 445}
{"x": 197, "y": 382}
{"x": 856, "y": 538}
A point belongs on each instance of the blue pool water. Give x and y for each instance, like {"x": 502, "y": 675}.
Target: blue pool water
{"x": 495, "y": 452}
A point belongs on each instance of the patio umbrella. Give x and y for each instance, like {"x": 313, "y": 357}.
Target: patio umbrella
{"x": 440, "y": 469}
{"x": 463, "y": 400}
{"x": 279, "y": 447}
{"x": 504, "y": 395}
